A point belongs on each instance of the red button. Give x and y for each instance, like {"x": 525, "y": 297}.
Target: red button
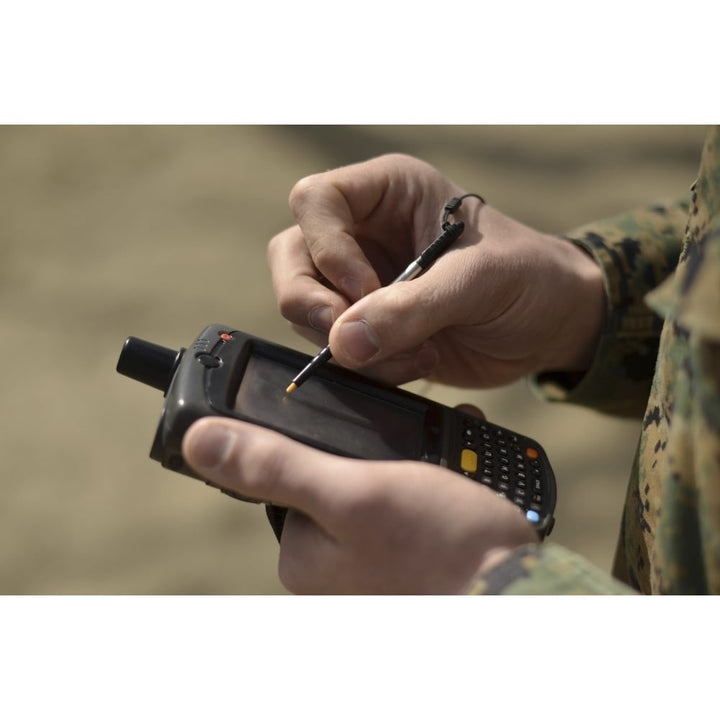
{"x": 226, "y": 337}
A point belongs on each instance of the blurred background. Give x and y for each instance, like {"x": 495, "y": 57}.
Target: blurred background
{"x": 158, "y": 231}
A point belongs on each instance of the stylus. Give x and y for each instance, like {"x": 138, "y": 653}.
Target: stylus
{"x": 422, "y": 262}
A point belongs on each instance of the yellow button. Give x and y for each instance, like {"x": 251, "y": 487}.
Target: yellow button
{"x": 532, "y": 453}
{"x": 468, "y": 460}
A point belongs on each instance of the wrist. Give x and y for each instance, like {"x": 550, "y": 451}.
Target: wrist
{"x": 573, "y": 346}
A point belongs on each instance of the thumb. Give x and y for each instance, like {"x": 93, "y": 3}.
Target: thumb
{"x": 395, "y": 319}
{"x": 261, "y": 464}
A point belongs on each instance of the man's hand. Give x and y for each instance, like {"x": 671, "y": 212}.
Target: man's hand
{"x": 358, "y": 526}
{"x": 504, "y": 302}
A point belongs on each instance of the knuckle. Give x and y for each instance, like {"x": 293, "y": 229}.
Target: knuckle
{"x": 285, "y": 244}
{"x": 300, "y": 193}
{"x": 274, "y": 246}
{"x": 287, "y": 305}
{"x": 291, "y": 305}
{"x": 257, "y": 463}
{"x": 408, "y": 162}
{"x": 325, "y": 259}
{"x": 398, "y": 158}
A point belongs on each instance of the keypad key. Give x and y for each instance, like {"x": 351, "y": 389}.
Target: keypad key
{"x": 468, "y": 460}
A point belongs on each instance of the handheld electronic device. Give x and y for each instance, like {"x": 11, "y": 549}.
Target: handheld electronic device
{"x": 228, "y": 373}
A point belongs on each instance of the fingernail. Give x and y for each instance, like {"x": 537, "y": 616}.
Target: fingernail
{"x": 321, "y": 318}
{"x": 209, "y": 447}
{"x": 359, "y": 341}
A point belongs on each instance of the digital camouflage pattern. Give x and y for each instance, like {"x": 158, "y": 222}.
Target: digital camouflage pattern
{"x": 661, "y": 338}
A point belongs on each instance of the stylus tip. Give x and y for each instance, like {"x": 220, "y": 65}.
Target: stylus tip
{"x": 292, "y": 387}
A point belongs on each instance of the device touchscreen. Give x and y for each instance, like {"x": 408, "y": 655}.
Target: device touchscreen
{"x": 330, "y": 413}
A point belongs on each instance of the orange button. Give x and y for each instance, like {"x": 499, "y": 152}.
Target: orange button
{"x": 532, "y": 453}
{"x": 468, "y": 460}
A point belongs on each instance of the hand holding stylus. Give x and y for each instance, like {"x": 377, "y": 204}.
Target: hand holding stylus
{"x": 451, "y": 232}
{"x": 507, "y": 301}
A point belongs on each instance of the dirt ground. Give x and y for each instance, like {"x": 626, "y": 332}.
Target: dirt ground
{"x": 158, "y": 231}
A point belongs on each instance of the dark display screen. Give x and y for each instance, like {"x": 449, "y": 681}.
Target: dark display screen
{"x": 330, "y": 413}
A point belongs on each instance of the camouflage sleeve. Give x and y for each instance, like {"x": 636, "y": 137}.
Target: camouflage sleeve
{"x": 546, "y": 569}
{"x": 686, "y": 554}
{"x": 636, "y": 252}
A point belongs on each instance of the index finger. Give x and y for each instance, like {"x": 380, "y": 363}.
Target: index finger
{"x": 328, "y": 207}
{"x": 303, "y": 296}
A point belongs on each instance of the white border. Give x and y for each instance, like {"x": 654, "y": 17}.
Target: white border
{"x": 320, "y": 62}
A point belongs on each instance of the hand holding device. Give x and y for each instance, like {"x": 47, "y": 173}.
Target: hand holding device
{"x": 358, "y": 526}
{"x": 230, "y": 374}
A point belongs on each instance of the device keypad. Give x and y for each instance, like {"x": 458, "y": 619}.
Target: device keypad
{"x": 502, "y": 461}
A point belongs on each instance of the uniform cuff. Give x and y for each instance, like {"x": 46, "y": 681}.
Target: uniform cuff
{"x": 546, "y": 569}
